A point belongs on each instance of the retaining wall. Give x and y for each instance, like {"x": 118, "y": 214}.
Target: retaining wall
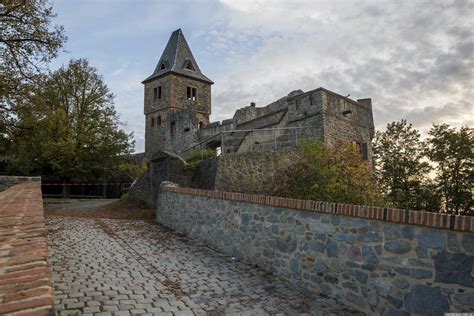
{"x": 25, "y": 280}
{"x": 380, "y": 261}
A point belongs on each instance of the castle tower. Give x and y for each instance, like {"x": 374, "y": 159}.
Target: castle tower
{"x": 177, "y": 99}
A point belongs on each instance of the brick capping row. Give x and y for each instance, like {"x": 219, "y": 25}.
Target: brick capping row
{"x": 25, "y": 278}
{"x": 427, "y": 219}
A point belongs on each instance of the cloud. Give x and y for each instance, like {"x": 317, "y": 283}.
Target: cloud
{"x": 415, "y": 59}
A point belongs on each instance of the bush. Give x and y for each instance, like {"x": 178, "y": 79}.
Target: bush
{"x": 334, "y": 175}
{"x": 196, "y": 156}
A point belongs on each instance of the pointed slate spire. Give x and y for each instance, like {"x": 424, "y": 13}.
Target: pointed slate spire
{"x": 178, "y": 58}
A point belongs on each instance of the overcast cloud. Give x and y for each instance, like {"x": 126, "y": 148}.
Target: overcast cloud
{"x": 415, "y": 59}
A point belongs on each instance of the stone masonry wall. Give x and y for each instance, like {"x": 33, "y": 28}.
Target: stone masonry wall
{"x": 25, "y": 280}
{"x": 380, "y": 261}
{"x": 254, "y": 172}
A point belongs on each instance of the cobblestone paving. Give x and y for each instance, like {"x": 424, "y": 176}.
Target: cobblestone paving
{"x": 121, "y": 267}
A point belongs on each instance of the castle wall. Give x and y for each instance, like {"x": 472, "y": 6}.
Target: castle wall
{"x": 356, "y": 126}
{"x": 379, "y": 261}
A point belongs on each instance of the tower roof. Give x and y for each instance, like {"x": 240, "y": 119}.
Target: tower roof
{"x": 178, "y": 58}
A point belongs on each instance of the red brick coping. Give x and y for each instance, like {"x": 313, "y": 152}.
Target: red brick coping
{"x": 437, "y": 220}
{"x": 25, "y": 280}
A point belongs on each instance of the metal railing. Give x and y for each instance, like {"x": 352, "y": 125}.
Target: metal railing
{"x": 239, "y": 141}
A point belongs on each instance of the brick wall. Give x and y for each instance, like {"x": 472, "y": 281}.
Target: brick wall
{"x": 8, "y": 181}
{"x": 380, "y": 261}
{"x": 25, "y": 281}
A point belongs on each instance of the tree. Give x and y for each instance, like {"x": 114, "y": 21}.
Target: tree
{"x": 400, "y": 167}
{"x": 452, "y": 151}
{"x": 333, "y": 175}
{"x": 72, "y": 130}
{"x": 27, "y": 42}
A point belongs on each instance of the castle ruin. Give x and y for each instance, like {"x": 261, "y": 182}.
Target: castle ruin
{"x": 177, "y": 106}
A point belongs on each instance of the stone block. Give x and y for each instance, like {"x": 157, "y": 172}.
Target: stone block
{"x": 454, "y": 268}
{"x": 432, "y": 238}
{"x": 398, "y": 246}
{"x": 426, "y": 300}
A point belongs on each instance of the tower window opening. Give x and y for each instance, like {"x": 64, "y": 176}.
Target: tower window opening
{"x": 191, "y": 93}
{"x": 200, "y": 125}
{"x": 159, "y": 92}
{"x": 155, "y": 93}
{"x": 187, "y": 129}
{"x": 159, "y": 120}
{"x": 162, "y": 67}
{"x": 173, "y": 128}
{"x": 152, "y": 122}
{"x": 188, "y": 65}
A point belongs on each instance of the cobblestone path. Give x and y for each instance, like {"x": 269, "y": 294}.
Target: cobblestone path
{"x": 123, "y": 267}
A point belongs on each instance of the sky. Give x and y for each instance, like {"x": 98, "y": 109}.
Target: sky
{"x": 415, "y": 59}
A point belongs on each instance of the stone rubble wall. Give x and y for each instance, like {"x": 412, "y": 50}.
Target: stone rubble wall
{"x": 25, "y": 280}
{"x": 255, "y": 172}
{"x": 380, "y": 261}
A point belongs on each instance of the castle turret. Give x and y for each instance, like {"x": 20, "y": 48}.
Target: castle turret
{"x": 177, "y": 99}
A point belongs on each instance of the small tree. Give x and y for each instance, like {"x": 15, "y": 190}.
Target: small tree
{"x": 452, "y": 151}
{"x": 334, "y": 175}
{"x": 399, "y": 166}
{"x": 72, "y": 129}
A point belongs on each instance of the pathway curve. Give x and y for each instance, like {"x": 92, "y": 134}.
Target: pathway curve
{"x": 125, "y": 267}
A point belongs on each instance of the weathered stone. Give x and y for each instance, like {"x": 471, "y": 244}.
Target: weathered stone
{"x": 432, "y": 238}
{"x": 345, "y": 238}
{"x": 356, "y": 299}
{"x": 369, "y": 255}
{"x": 392, "y": 312}
{"x": 454, "y": 268}
{"x": 332, "y": 249}
{"x": 468, "y": 243}
{"x": 453, "y": 243}
{"x": 421, "y": 252}
{"x": 351, "y": 286}
{"x": 245, "y": 219}
{"x": 399, "y": 246}
{"x": 397, "y": 303}
{"x": 415, "y": 273}
{"x": 354, "y": 253}
{"x": 287, "y": 245}
{"x": 420, "y": 262}
{"x": 368, "y": 236}
{"x": 351, "y": 264}
{"x": 361, "y": 276}
{"x": 317, "y": 246}
{"x": 392, "y": 231}
{"x": 466, "y": 299}
{"x": 331, "y": 279}
{"x": 294, "y": 265}
{"x": 373, "y": 300}
{"x": 320, "y": 267}
{"x": 426, "y": 300}
{"x": 408, "y": 232}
